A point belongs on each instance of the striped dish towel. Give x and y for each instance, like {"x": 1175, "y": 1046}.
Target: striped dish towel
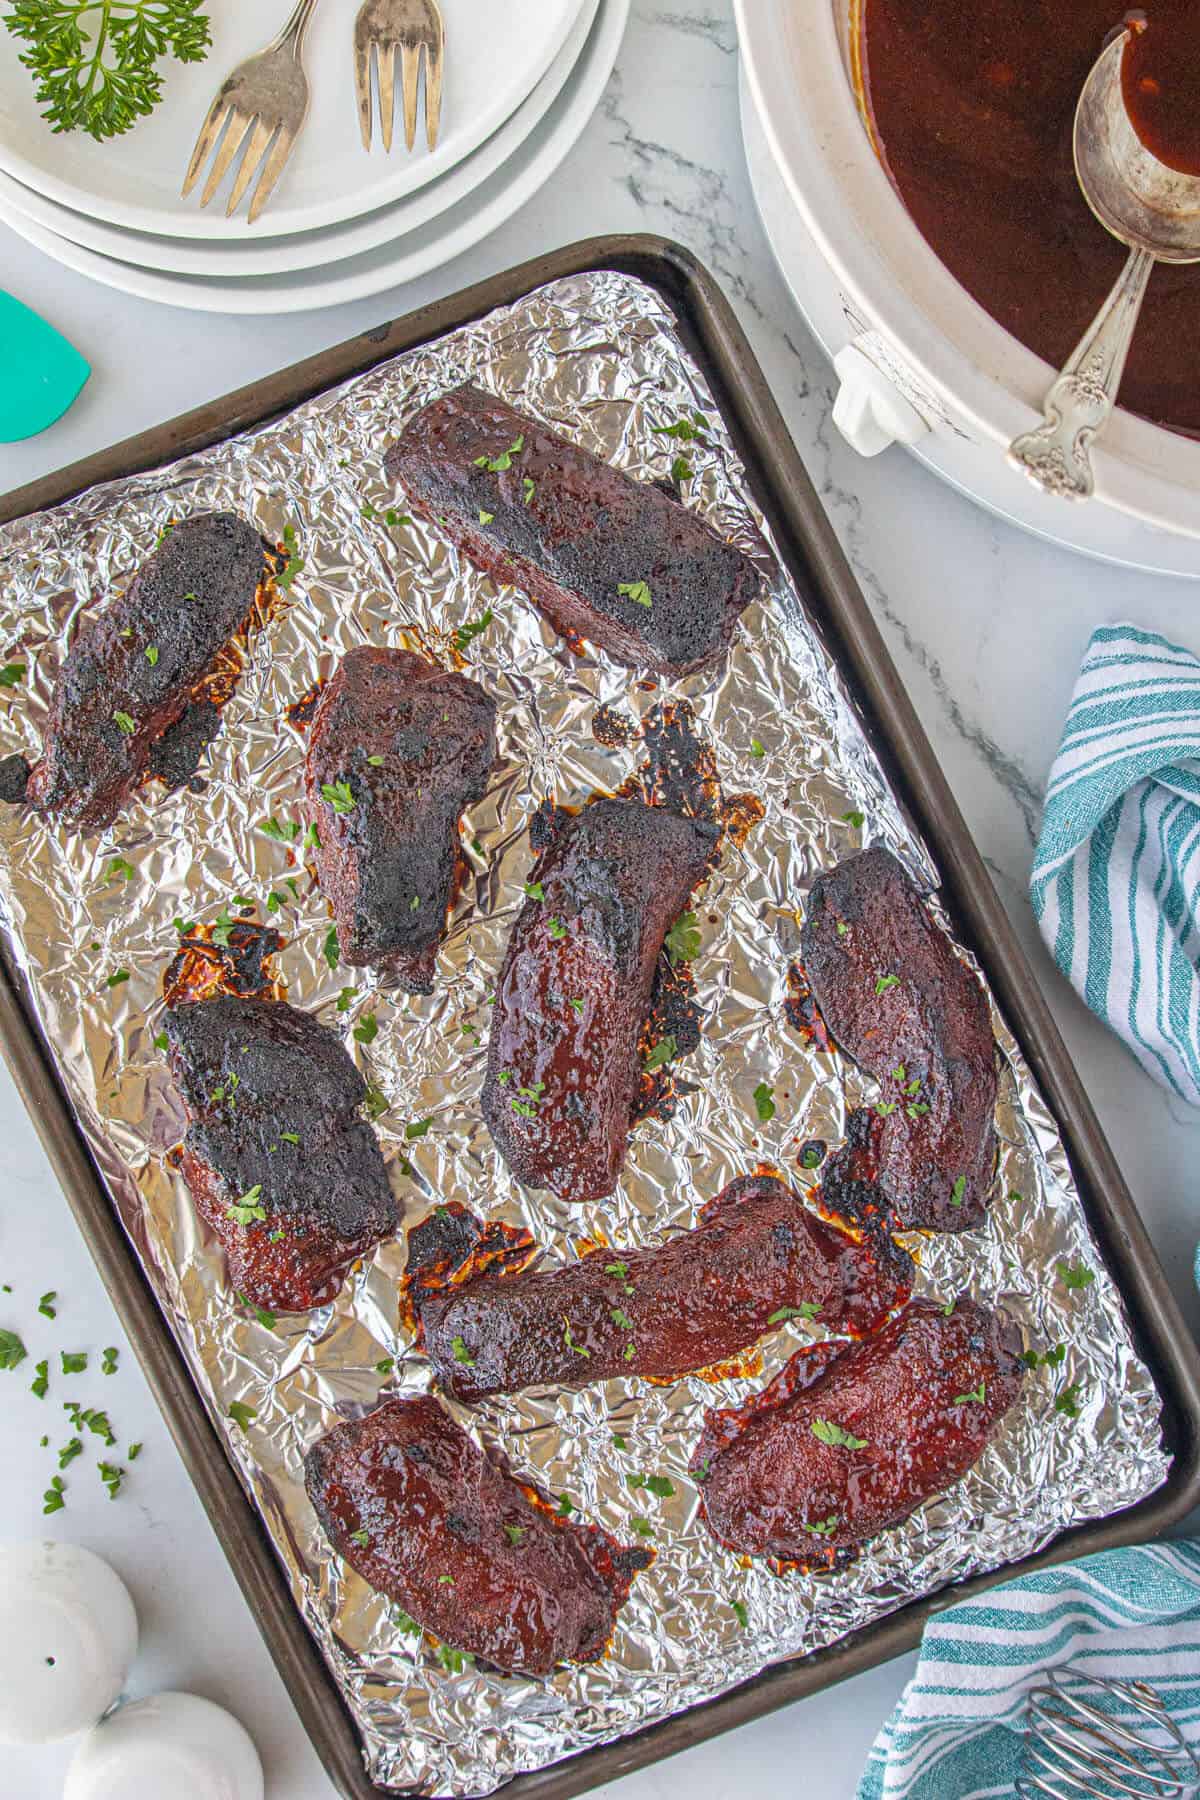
{"x": 1130, "y": 1615}
{"x": 1116, "y": 875}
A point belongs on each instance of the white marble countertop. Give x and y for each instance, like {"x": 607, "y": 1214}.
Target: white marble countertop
{"x": 986, "y": 626}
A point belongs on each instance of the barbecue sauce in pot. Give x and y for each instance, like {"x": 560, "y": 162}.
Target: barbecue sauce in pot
{"x": 972, "y": 107}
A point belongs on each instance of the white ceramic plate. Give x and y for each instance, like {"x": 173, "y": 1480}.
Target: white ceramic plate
{"x": 312, "y": 249}
{"x": 495, "y": 55}
{"x": 437, "y": 243}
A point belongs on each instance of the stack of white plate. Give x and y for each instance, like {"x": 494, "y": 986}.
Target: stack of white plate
{"x": 521, "y": 81}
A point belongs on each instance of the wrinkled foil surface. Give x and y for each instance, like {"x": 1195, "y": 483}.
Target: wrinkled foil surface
{"x": 597, "y": 356}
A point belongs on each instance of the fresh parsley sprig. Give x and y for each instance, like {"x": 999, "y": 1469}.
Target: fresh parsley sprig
{"x": 95, "y": 62}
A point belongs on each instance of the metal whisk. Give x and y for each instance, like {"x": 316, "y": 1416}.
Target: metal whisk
{"x": 1076, "y": 1745}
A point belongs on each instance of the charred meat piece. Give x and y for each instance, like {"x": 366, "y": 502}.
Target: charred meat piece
{"x": 757, "y": 1256}
{"x": 480, "y": 1559}
{"x": 129, "y": 700}
{"x": 563, "y": 1058}
{"x": 279, "y": 1164}
{"x": 898, "y": 1000}
{"x": 398, "y": 749}
{"x": 603, "y": 557}
{"x": 847, "y": 1441}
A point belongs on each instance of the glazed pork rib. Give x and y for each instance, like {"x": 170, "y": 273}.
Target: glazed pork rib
{"x": 398, "y": 749}
{"x": 279, "y": 1164}
{"x": 846, "y": 1442}
{"x": 616, "y": 561}
{"x": 757, "y": 1257}
{"x": 126, "y": 704}
{"x": 481, "y": 1560}
{"x": 897, "y": 999}
{"x": 563, "y": 1057}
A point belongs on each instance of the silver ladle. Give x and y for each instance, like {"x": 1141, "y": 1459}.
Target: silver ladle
{"x": 1156, "y": 211}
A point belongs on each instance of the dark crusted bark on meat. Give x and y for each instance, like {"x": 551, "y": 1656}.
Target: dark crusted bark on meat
{"x": 131, "y": 672}
{"x": 919, "y": 1401}
{"x": 272, "y": 1100}
{"x": 531, "y": 508}
{"x": 411, "y": 746}
{"x": 896, "y": 997}
{"x": 756, "y": 1257}
{"x": 411, "y": 1503}
{"x": 563, "y": 1058}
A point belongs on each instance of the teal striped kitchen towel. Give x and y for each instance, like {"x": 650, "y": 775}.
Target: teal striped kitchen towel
{"x": 1116, "y": 875}
{"x": 1128, "y": 1615}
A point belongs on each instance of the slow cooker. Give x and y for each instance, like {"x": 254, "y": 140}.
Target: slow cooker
{"x": 918, "y": 361}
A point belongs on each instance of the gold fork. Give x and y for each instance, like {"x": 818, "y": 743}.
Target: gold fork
{"x": 413, "y": 28}
{"x": 266, "y": 97}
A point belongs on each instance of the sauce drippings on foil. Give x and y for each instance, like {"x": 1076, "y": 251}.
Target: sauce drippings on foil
{"x": 973, "y": 108}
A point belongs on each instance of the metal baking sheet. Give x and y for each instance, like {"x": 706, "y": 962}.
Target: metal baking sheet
{"x": 599, "y": 355}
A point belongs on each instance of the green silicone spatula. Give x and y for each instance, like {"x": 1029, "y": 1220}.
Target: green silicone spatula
{"x": 40, "y": 373}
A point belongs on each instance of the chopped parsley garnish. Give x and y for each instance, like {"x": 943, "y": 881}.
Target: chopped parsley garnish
{"x": 261, "y": 1313}
{"x": 406, "y": 1623}
{"x": 620, "y": 1317}
{"x": 222, "y": 928}
{"x": 619, "y": 1441}
{"x": 41, "y": 1381}
{"x": 683, "y": 939}
{"x": 361, "y": 1537}
{"x": 485, "y": 518}
{"x": 248, "y": 1207}
{"x": 133, "y": 1452}
{"x": 472, "y": 629}
{"x": 116, "y": 978}
{"x": 738, "y": 1609}
{"x": 557, "y": 929}
{"x": 764, "y": 1102}
{"x": 576, "y": 1006}
{"x": 662, "y": 1052}
{"x": 630, "y": 1352}
{"x": 496, "y": 465}
{"x": 565, "y": 1506}
{"x": 621, "y": 1271}
{"x": 162, "y": 1041}
{"x": 660, "y": 1485}
{"x": 11, "y": 673}
{"x": 445, "y": 1581}
{"x": 112, "y": 1478}
{"x": 120, "y": 869}
{"x": 461, "y": 1353}
{"x": 124, "y": 723}
{"x": 294, "y": 563}
{"x": 685, "y": 430}
{"x": 1075, "y": 1276}
{"x": 855, "y": 818}
{"x": 885, "y": 1108}
{"x": 312, "y": 838}
{"x": 514, "y": 1533}
{"x": 681, "y": 469}
{"x": 242, "y": 1415}
{"x": 1067, "y": 1402}
{"x": 284, "y": 832}
{"x": 641, "y": 1525}
{"x": 152, "y": 654}
{"x": 367, "y": 1031}
{"x": 958, "y": 1191}
{"x": 637, "y": 591}
{"x": 339, "y": 795}
{"x": 70, "y": 1450}
{"x": 385, "y": 1366}
{"x": 827, "y": 1432}
{"x": 12, "y": 1350}
{"x": 417, "y": 1129}
{"x": 528, "y": 488}
{"x": 823, "y": 1528}
{"x": 94, "y": 1420}
{"x": 329, "y": 949}
{"x": 46, "y": 1305}
{"x": 808, "y": 1309}
{"x": 534, "y": 890}
{"x": 53, "y": 1496}
{"x": 108, "y": 1361}
{"x": 885, "y": 982}
{"x": 757, "y": 750}
{"x": 414, "y": 904}
{"x": 454, "y": 1661}
{"x": 569, "y": 1341}
{"x": 843, "y": 930}
{"x": 978, "y": 1395}
{"x": 1050, "y": 1359}
{"x": 526, "y": 1107}
{"x": 74, "y": 1362}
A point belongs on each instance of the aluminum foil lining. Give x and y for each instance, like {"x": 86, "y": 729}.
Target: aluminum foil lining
{"x": 597, "y": 356}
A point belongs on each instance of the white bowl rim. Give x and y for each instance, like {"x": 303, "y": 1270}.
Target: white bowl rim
{"x": 983, "y": 375}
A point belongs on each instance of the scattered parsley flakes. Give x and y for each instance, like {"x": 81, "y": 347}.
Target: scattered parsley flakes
{"x": 376, "y": 762}
{"x": 978, "y": 1395}
{"x": 461, "y": 1353}
{"x": 386, "y": 1366}
{"x": 808, "y": 1309}
{"x": 41, "y": 1382}
{"x": 662, "y": 1052}
{"x": 885, "y": 982}
{"x": 620, "y": 1442}
{"x": 11, "y": 673}
{"x": 108, "y": 1360}
{"x": 637, "y": 591}
{"x": 576, "y": 1007}
{"x": 514, "y": 1534}
{"x": 361, "y": 1537}
{"x": 641, "y": 1525}
{"x": 496, "y": 465}
{"x": 827, "y": 1432}
{"x": 529, "y": 488}
{"x": 46, "y": 1305}
{"x": 1050, "y": 1359}
{"x": 823, "y": 1528}
{"x": 417, "y": 1129}
{"x": 120, "y": 869}
{"x": 472, "y": 629}
{"x": 687, "y": 431}
{"x": 534, "y": 890}
{"x": 116, "y": 978}
{"x": 569, "y": 1341}
{"x": 339, "y": 795}
{"x": 445, "y": 1581}
{"x": 557, "y": 929}
{"x": 70, "y": 1450}
{"x": 1075, "y": 1276}
{"x": 854, "y": 818}
{"x": 248, "y": 1208}
{"x": 112, "y": 1477}
{"x": 152, "y": 654}
{"x": 74, "y": 1362}
{"x": 565, "y": 1506}
{"x": 681, "y": 470}
{"x": 12, "y": 1350}
{"x": 757, "y": 750}
{"x": 738, "y": 1609}
{"x": 284, "y": 831}
{"x": 124, "y": 724}
{"x": 683, "y": 939}
{"x": 329, "y": 949}
{"x": 294, "y": 563}
{"x": 367, "y": 1031}
{"x": 405, "y": 1622}
{"x": 958, "y": 1191}
{"x": 53, "y": 1496}
{"x": 764, "y": 1102}
{"x": 133, "y": 1452}
{"x": 485, "y": 518}
{"x": 455, "y": 1661}
{"x": 261, "y": 1313}
{"x": 242, "y": 1415}
{"x": 1067, "y": 1402}
{"x": 620, "y": 1317}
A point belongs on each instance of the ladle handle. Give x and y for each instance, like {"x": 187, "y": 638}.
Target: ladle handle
{"x": 1055, "y": 455}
